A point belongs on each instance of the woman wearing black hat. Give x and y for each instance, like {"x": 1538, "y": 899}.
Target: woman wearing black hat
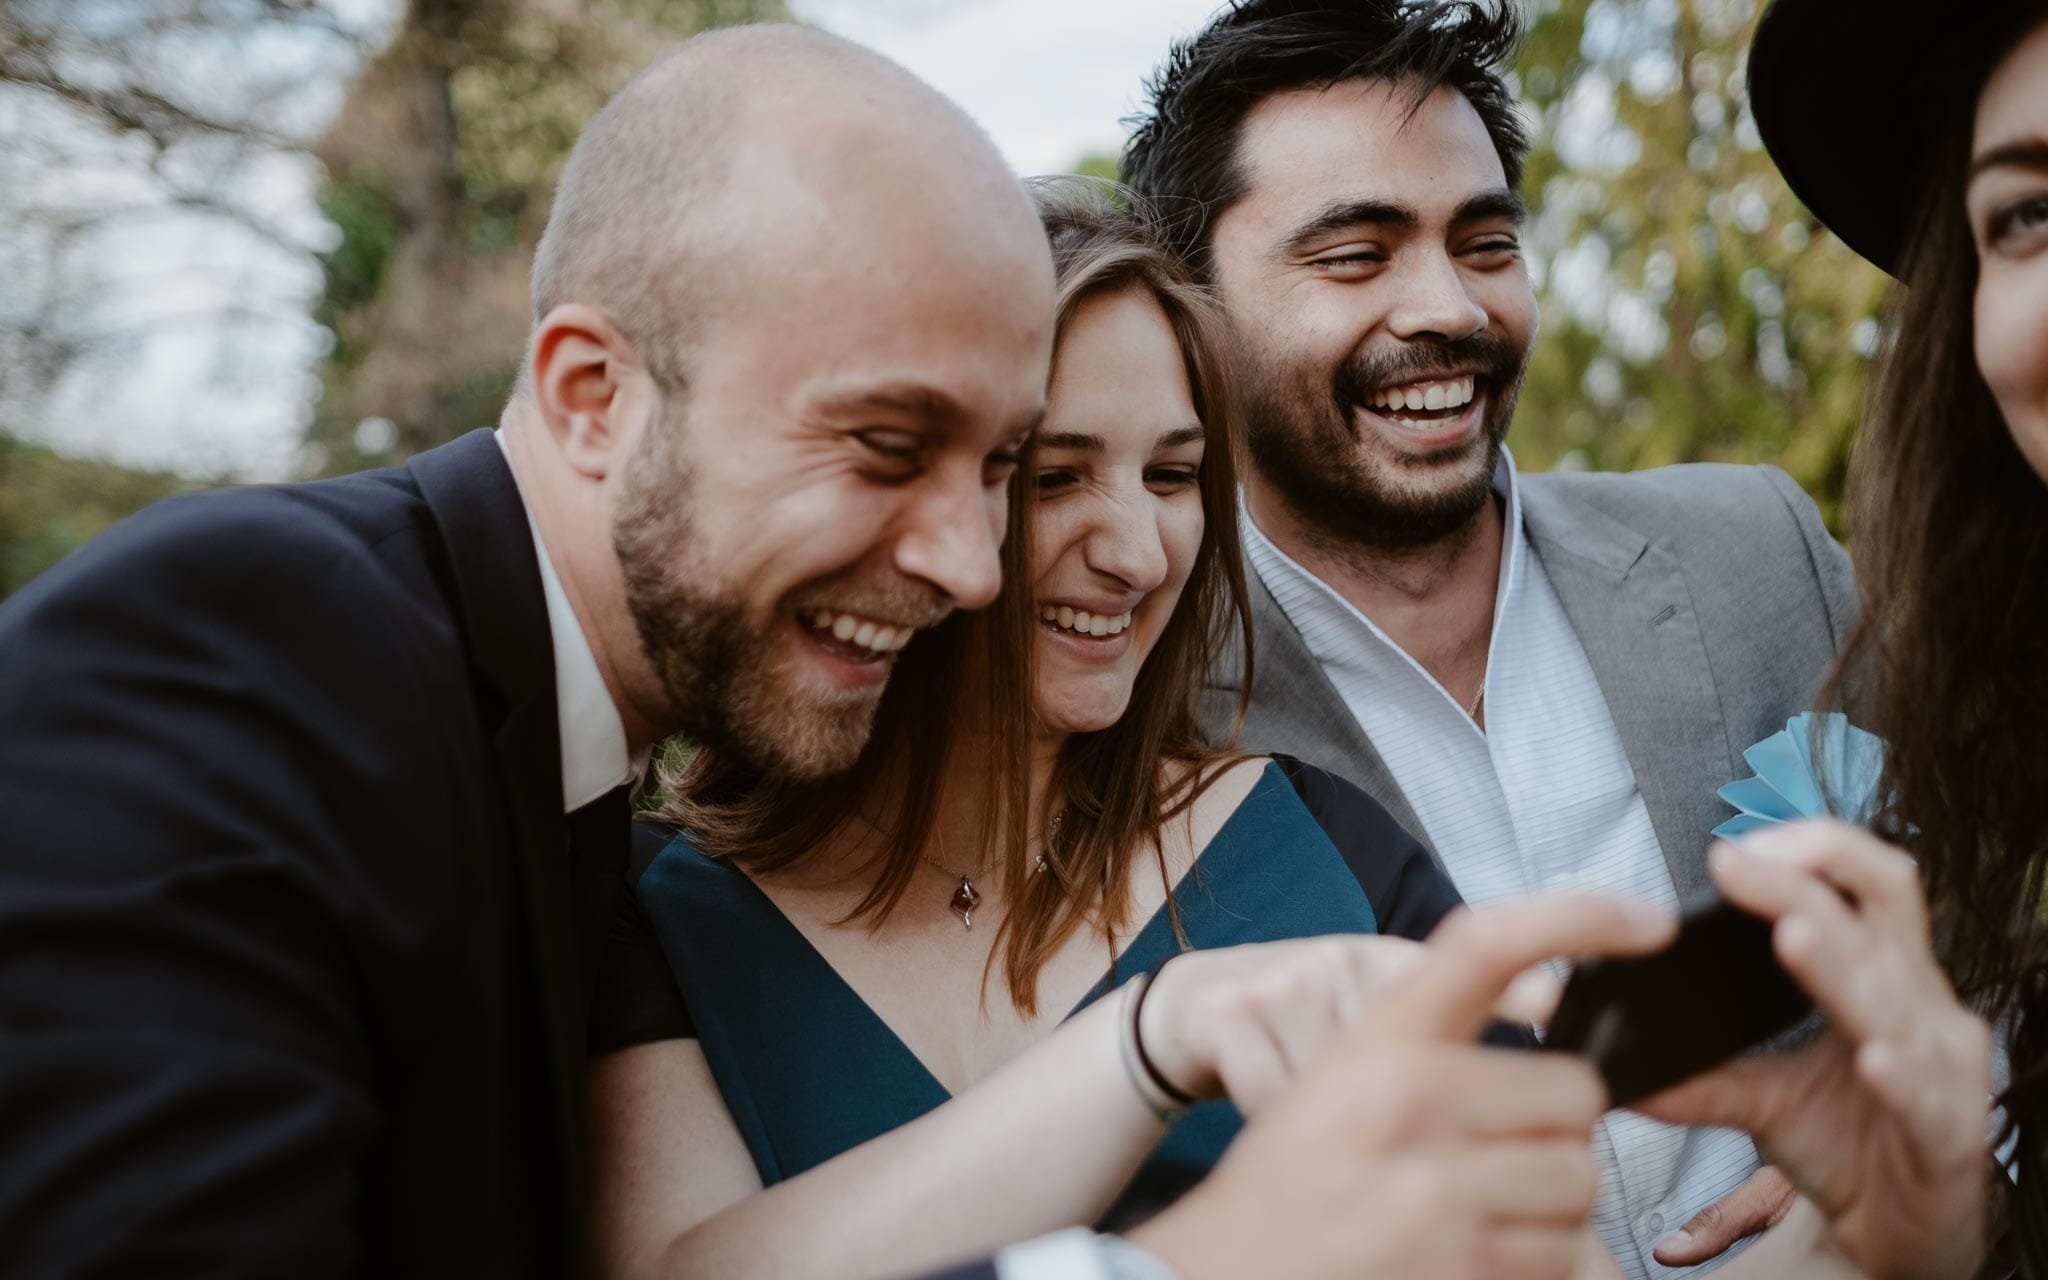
{"x": 1921, "y": 138}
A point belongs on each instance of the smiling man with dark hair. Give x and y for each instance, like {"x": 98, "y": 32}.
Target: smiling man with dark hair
{"x": 1545, "y": 677}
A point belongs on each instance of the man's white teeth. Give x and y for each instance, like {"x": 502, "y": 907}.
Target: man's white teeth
{"x": 864, "y": 633}
{"x": 1080, "y": 620}
{"x": 1453, "y": 394}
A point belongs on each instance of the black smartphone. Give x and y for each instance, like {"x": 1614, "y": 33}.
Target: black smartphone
{"x": 1649, "y": 1022}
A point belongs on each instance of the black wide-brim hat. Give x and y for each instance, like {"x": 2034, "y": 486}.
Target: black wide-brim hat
{"x": 1850, "y": 97}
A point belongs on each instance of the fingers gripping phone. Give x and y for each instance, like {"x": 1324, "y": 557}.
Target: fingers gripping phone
{"x": 1649, "y": 1022}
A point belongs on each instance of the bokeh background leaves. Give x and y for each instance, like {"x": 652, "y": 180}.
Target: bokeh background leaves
{"x": 1692, "y": 310}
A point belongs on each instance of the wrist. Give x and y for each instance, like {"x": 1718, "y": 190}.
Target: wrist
{"x": 1162, "y": 1045}
{"x": 1164, "y": 1099}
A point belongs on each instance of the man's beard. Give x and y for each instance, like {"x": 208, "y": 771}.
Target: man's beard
{"x": 719, "y": 667}
{"x": 1305, "y": 445}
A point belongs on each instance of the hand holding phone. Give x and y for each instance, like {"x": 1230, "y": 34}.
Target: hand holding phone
{"x": 1649, "y": 1022}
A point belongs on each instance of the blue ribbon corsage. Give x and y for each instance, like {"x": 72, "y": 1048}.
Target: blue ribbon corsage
{"x": 1818, "y": 766}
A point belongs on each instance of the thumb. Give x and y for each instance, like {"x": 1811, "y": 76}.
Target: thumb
{"x": 1754, "y": 1206}
{"x": 1474, "y": 957}
{"x": 1736, "y": 1094}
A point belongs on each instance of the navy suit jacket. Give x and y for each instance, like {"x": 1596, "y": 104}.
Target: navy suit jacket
{"x": 294, "y": 958}
{"x": 296, "y": 944}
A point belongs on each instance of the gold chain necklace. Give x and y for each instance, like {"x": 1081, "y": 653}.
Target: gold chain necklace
{"x": 966, "y": 898}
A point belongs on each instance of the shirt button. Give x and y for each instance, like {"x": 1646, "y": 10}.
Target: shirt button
{"x": 1653, "y": 1225}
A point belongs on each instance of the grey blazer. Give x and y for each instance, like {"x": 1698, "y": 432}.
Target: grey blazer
{"x": 1709, "y": 599}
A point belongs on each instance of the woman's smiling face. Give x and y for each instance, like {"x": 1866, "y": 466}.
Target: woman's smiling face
{"x": 2007, "y": 200}
{"x": 1118, "y": 520}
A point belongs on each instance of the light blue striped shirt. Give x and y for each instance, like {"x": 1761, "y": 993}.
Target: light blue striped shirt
{"x": 1543, "y": 800}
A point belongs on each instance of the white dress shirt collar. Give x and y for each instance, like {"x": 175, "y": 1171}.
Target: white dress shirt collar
{"x": 1299, "y": 591}
{"x": 595, "y": 757}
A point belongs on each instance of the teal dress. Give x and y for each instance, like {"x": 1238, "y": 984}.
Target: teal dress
{"x": 808, "y": 1070}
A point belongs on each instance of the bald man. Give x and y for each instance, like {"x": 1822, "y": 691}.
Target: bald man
{"x": 312, "y": 796}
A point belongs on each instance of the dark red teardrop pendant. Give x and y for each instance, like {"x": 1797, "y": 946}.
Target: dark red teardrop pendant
{"x": 965, "y": 900}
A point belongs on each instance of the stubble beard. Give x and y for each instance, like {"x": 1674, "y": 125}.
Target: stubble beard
{"x": 722, "y": 671}
{"x": 1303, "y": 443}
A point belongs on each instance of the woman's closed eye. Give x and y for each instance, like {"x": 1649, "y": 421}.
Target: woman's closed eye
{"x": 1053, "y": 480}
{"x": 1172, "y": 478}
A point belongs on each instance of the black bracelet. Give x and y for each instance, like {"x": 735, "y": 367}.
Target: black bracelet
{"x": 1180, "y": 1096}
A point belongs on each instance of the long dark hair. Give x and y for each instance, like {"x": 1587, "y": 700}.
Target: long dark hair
{"x": 1115, "y": 789}
{"x": 1951, "y": 536}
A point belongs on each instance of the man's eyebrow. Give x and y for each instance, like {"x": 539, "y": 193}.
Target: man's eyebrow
{"x": 1499, "y": 203}
{"x": 2029, "y": 154}
{"x": 914, "y": 399}
{"x": 1343, "y": 215}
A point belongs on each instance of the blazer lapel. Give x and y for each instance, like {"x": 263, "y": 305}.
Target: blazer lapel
{"x": 503, "y": 616}
{"x": 1295, "y": 709}
{"x": 1627, "y": 599}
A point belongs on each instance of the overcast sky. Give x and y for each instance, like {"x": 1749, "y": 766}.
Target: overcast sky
{"x": 1049, "y": 79}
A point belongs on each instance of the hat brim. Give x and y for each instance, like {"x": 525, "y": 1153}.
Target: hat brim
{"x": 1850, "y": 97}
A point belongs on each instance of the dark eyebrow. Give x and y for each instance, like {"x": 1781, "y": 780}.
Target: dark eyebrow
{"x": 2031, "y": 154}
{"x": 1342, "y": 215}
{"x": 1086, "y": 443}
{"x": 1499, "y": 203}
{"x": 1073, "y": 440}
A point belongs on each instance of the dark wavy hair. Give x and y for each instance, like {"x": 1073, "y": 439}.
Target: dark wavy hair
{"x": 1951, "y": 537}
{"x": 1182, "y": 157}
{"x": 1114, "y": 789}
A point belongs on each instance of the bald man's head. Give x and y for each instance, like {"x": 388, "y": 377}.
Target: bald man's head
{"x": 686, "y": 169}
{"x": 792, "y": 324}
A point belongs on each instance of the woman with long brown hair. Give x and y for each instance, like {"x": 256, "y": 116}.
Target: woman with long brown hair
{"x": 1886, "y": 1124}
{"x": 1037, "y": 825}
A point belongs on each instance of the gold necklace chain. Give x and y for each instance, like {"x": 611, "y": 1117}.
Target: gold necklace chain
{"x": 966, "y": 897}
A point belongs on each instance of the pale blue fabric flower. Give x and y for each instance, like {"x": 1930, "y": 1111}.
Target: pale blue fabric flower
{"x": 1786, "y": 786}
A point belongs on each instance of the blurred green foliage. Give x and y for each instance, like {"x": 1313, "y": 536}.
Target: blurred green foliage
{"x": 1692, "y": 309}
{"x": 441, "y": 165}
{"x": 366, "y": 217}
{"x": 50, "y": 503}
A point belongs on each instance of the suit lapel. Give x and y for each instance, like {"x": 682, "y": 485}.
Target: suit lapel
{"x": 1297, "y": 710}
{"x": 503, "y": 615}
{"x": 1627, "y": 600}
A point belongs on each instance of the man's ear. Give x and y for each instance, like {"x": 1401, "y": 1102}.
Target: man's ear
{"x": 580, "y": 363}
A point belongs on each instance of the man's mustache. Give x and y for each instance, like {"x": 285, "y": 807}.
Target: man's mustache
{"x": 901, "y": 602}
{"x": 1492, "y": 359}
